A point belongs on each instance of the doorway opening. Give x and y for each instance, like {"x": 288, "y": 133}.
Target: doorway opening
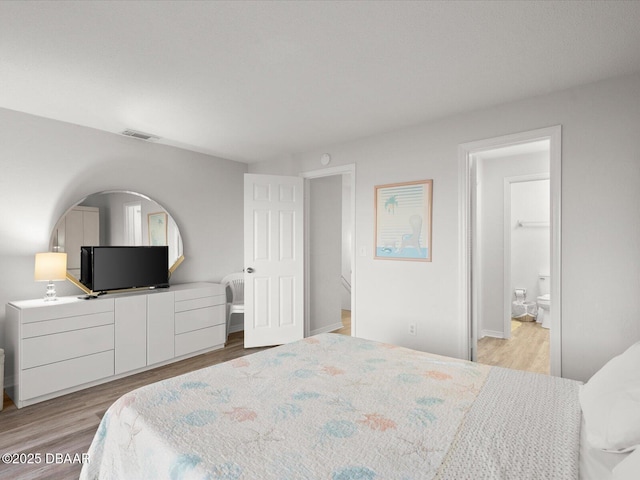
{"x": 491, "y": 268}
{"x": 329, "y": 250}
{"x": 511, "y": 207}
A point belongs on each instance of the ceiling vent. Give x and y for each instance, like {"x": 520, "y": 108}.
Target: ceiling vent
{"x": 140, "y": 135}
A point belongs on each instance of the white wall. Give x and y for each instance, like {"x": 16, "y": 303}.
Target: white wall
{"x": 600, "y": 220}
{"x": 325, "y": 253}
{"x": 491, "y": 173}
{"x": 47, "y": 166}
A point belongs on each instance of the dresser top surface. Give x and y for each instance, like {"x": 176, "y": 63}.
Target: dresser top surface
{"x": 41, "y": 302}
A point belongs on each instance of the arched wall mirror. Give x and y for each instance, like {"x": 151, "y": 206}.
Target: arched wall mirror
{"x": 114, "y": 218}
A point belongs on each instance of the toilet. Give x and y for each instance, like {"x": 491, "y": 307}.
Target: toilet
{"x": 543, "y": 301}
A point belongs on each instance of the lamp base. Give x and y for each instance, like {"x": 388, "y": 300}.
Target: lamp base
{"x": 50, "y": 295}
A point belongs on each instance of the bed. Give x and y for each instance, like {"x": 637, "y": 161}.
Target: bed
{"x": 339, "y": 407}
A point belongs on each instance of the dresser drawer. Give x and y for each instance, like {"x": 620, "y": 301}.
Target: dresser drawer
{"x": 201, "y": 318}
{"x": 60, "y": 325}
{"x": 199, "y": 291}
{"x": 66, "y": 308}
{"x": 70, "y": 373}
{"x": 63, "y": 346}
{"x": 200, "y": 339}
{"x": 199, "y": 303}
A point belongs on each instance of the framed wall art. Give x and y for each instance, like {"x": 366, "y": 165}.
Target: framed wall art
{"x": 403, "y": 221}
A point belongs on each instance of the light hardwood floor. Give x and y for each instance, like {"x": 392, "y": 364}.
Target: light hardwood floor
{"x": 67, "y": 424}
{"x": 527, "y": 349}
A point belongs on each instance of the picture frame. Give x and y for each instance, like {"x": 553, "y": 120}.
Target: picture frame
{"x": 157, "y": 226}
{"x": 403, "y": 221}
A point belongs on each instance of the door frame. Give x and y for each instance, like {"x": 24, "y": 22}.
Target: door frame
{"x": 349, "y": 169}
{"x": 467, "y": 289}
{"x": 508, "y": 181}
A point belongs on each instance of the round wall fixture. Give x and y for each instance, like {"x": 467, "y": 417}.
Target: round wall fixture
{"x": 325, "y": 159}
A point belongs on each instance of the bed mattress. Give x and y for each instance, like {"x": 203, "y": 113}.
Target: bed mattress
{"x": 338, "y": 407}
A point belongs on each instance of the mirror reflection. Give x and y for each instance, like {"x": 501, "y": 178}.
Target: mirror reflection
{"x": 115, "y": 218}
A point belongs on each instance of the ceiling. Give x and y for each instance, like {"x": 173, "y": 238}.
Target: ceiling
{"x": 252, "y": 81}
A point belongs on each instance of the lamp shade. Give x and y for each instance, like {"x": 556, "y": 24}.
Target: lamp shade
{"x": 50, "y": 266}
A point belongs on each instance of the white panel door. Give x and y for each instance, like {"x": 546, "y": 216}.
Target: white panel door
{"x": 273, "y": 260}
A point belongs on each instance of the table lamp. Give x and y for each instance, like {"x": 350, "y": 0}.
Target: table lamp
{"x": 50, "y": 267}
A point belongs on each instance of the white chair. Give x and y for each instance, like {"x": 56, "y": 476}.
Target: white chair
{"x": 234, "y": 287}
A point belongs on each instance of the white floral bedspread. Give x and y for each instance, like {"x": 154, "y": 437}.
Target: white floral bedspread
{"x": 327, "y": 407}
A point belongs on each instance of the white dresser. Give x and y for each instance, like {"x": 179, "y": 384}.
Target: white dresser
{"x": 54, "y": 348}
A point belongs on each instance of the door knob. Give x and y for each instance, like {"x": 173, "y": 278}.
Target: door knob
{"x": 249, "y": 270}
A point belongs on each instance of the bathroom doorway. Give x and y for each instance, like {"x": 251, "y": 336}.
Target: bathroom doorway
{"x": 490, "y": 168}
{"x": 512, "y": 202}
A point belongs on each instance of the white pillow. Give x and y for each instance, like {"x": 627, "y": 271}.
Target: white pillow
{"x": 629, "y": 468}
{"x": 610, "y": 403}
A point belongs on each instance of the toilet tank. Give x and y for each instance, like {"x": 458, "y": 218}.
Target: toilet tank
{"x": 544, "y": 283}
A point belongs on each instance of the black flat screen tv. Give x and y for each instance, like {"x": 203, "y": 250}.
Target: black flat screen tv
{"x": 117, "y": 268}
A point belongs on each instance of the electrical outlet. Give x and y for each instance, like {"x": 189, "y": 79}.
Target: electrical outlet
{"x": 412, "y": 329}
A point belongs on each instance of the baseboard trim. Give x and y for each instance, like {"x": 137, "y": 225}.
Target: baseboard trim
{"x": 327, "y": 329}
{"x": 492, "y": 333}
